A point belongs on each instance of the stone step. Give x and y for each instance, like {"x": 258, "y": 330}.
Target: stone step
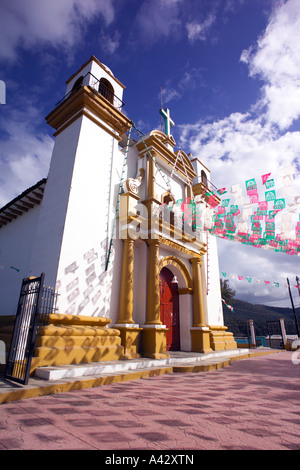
{"x": 176, "y": 359}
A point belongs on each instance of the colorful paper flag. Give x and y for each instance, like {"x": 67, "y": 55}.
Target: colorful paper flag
{"x": 265, "y": 177}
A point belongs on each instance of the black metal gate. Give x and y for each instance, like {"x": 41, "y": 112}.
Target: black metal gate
{"x": 275, "y": 334}
{"x": 35, "y": 303}
{"x": 241, "y": 331}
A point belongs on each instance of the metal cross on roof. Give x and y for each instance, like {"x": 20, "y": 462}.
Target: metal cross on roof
{"x": 168, "y": 121}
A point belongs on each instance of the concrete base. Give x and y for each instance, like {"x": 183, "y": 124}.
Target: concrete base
{"x": 200, "y": 339}
{"x": 129, "y": 340}
{"x": 178, "y": 358}
{"x": 154, "y": 341}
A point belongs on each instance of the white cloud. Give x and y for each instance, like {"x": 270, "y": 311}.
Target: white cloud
{"x": 58, "y": 23}
{"x": 111, "y": 42}
{"x": 25, "y": 153}
{"x": 276, "y": 60}
{"x": 199, "y": 31}
{"x": 158, "y": 20}
{"x": 247, "y": 145}
{"x": 169, "y": 94}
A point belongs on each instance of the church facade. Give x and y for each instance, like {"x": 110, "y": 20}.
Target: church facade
{"x": 119, "y": 228}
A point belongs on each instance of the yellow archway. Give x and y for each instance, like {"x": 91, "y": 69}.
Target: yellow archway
{"x": 172, "y": 260}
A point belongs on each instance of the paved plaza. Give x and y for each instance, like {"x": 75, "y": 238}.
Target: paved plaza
{"x": 252, "y": 404}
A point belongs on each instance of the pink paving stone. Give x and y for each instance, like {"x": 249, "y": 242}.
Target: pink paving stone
{"x": 253, "y": 404}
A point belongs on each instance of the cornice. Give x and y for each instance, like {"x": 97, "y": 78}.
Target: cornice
{"x": 87, "y": 99}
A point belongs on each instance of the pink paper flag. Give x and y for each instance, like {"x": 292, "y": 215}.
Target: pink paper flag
{"x": 265, "y": 177}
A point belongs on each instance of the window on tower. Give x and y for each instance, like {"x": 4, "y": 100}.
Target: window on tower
{"x": 78, "y": 83}
{"x": 167, "y": 205}
{"x": 106, "y": 90}
{"x": 203, "y": 178}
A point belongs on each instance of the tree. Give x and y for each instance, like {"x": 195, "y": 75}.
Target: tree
{"x": 227, "y": 293}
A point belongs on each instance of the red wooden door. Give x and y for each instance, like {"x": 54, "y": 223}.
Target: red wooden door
{"x": 169, "y": 308}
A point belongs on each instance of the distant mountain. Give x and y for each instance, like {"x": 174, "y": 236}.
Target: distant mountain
{"x": 262, "y": 315}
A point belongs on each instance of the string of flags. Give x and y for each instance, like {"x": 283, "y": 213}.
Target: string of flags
{"x": 253, "y": 280}
{"x": 228, "y": 306}
{"x": 262, "y": 212}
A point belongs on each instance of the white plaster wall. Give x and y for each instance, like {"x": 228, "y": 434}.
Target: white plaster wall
{"x": 176, "y": 186}
{"x": 51, "y": 223}
{"x": 214, "y": 302}
{"x": 186, "y": 321}
{"x": 85, "y": 286}
{"x": 16, "y": 240}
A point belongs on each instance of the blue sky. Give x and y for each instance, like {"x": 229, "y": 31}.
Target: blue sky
{"x": 229, "y": 71}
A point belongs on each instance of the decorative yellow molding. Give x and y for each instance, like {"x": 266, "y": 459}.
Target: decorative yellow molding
{"x": 130, "y": 341}
{"x": 177, "y": 246}
{"x": 76, "y": 339}
{"x": 156, "y": 143}
{"x": 221, "y": 339}
{"x": 173, "y": 260}
{"x": 86, "y": 99}
{"x": 185, "y": 290}
{"x": 154, "y": 343}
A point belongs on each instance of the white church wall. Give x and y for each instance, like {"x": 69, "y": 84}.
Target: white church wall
{"x": 186, "y": 321}
{"x": 16, "y": 240}
{"x": 176, "y": 186}
{"x": 214, "y": 302}
{"x": 89, "y": 224}
{"x": 51, "y": 223}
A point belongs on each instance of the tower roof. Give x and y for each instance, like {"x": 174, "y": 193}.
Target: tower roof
{"x": 104, "y": 67}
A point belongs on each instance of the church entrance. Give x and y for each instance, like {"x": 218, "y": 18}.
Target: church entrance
{"x": 169, "y": 308}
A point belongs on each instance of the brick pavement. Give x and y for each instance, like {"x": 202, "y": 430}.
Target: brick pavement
{"x": 253, "y": 404}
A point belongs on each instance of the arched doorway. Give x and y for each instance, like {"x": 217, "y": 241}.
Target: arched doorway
{"x": 169, "y": 308}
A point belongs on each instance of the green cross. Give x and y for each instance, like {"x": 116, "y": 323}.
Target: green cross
{"x": 168, "y": 121}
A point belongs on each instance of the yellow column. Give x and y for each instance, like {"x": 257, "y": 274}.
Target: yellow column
{"x": 153, "y": 296}
{"x": 200, "y": 333}
{"x": 198, "y": 319}
{"x": 126, "y": 293}
{"x": 151, "y": 177}
{"x": 154, "y": 339}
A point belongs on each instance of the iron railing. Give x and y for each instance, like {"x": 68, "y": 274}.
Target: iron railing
{"x": 36, "y": 302}
{"x": 97, "y": 86}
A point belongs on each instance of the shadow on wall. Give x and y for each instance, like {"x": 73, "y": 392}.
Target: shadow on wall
{"x": 86, "y": 285}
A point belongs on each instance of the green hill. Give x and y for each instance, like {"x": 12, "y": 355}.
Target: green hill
{"x": 261, "y": 315}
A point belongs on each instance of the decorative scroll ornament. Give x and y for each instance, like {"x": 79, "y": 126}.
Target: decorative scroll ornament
{"x": 132, "y": 184}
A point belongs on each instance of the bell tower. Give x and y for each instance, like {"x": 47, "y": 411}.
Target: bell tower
{"x": 79, "y": 199}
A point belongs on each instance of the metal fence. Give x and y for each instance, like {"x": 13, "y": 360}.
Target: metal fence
{"x": 36, "y": 302}
{"x": 241, "y": 331}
